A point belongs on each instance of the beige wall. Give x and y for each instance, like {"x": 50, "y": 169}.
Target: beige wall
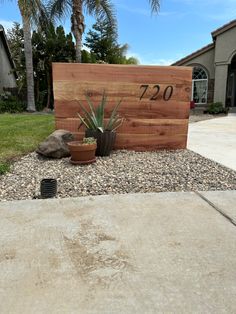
{"x": 7, "y": 79}
{"x": 220, "y": 83}
{"x": 224, "y": 52}
{"x": 216, "y": 62}
{"x": 207, "y": 60}
{"x": 225, "y": 46}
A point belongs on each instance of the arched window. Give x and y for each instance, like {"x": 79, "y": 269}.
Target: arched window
{"x": 200, "y": 85}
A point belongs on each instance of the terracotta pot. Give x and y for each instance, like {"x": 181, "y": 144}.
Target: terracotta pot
{"x": 82, "y": 154}
{"x": 105, "y": 141}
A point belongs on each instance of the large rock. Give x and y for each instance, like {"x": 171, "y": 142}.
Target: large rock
{"x": 55, "y": 144}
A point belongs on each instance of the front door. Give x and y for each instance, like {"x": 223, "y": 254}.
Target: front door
{"x": 231, "y": 89}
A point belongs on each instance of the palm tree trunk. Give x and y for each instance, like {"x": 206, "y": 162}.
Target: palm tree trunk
{"x": 77, "y": 27}
{"x": 49, "y": 83}
{"x": 78, "y": 46}
{"x": 29, "y": 64}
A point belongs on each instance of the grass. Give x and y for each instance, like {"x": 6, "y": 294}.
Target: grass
{"x": 21, "y": 134}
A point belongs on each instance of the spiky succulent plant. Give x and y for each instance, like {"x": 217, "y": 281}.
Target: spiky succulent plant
{"x": 93, "y": 119}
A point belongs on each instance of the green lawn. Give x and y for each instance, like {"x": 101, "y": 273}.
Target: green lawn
{"x": 20, "y": 134}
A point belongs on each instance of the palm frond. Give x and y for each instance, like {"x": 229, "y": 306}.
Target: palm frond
{"x": 155, "y": 5}
{"x": 35, "y": 11}
{"x": 102, "y": 9}
{"x": 59, "y": 8}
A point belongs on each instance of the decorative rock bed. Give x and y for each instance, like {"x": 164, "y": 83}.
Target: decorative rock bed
{"x": 122, "y": 172}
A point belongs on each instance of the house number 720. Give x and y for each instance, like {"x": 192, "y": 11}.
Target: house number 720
{"x": 156, "y": 89}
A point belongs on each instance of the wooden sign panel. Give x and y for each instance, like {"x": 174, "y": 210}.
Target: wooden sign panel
{"x": 155, "y": 105}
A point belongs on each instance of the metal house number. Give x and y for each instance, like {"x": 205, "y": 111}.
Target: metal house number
{"x": 168, "y": 92}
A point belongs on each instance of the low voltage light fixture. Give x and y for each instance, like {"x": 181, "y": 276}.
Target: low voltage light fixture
{"x": 48, "y": 188}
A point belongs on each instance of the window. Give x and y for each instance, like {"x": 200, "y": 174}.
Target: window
{"x": 200, "y": 84}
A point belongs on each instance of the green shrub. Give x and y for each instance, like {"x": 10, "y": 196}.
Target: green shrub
{"x": 10, "y": 103}
{"x": 42, "y": 100}
{"x": 4, "y": 167}
{"x": 216, "y": 108}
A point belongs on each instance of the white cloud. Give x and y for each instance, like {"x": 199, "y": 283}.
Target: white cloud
{"x": 206, "y": 2}
{"x": 215, "y": 10}
{"x": 6, "y": 24}
{"x": 225, "y": 15}
{"x": 140, "y": 11}
{"x": 133, "y": 10}
{"x": 146, "y": 60}
{"x": 85, "y": 48}
{"x": 168, "y": 13}
{"x": 162, "y": 62}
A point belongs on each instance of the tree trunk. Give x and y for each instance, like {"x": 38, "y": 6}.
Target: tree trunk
{"x": 78, "y": 46}
{"x": 29, "y": 64}
{"x": 77, "y": 28}
{"x": 49, "y": 82}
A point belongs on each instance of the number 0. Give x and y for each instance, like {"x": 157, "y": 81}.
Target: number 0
{"x": 168, "y": 93}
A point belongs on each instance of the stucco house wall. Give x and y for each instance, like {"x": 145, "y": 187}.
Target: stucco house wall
{"x": 225, "y": 49}
{"x": 225, "y": 46}
{"x": 7, "y": 77}
{"x": 206, "y": 60}
{"x": 215, "y": 59}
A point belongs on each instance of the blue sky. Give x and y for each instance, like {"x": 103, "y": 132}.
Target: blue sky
{"x": 181, "y": 27}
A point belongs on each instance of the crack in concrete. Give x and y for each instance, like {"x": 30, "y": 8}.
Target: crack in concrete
{"x": 231, "y": 220}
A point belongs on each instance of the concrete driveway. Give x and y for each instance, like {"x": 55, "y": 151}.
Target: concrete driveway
{"x": 140, "y": 253}
{"x": 215, "y": 139}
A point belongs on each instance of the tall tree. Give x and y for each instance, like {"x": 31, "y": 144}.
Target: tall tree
{"x": 31, "y": 11}
{"x": 97, "y": 8}
{"x": 102, "y": 41}
{"x": 48, "y": 45}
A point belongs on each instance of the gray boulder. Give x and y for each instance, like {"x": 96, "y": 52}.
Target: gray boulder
{"x": 55, "y": 144}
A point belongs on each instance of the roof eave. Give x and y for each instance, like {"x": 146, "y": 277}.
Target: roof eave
{"x": 223, "y": 29}
{"x": 194, "y": 54}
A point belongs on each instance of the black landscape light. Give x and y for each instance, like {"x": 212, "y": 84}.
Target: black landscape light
{"x": 48, "y": 188}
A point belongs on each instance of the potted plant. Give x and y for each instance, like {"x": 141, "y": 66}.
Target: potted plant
{"x": 94, "y": 121}
{"x": 83, "y": 152}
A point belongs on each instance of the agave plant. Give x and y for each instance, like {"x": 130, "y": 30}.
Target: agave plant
{"x": 94, "y": 118}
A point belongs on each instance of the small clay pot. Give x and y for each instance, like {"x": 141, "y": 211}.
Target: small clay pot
{"x": 82, "y": 153}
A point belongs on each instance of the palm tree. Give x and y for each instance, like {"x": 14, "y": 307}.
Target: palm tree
{"x": 32, "y": 11}
{"x": 99, "y": 8}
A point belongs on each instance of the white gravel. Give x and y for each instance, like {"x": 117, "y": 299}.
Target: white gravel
{"x": 122, "y": 172}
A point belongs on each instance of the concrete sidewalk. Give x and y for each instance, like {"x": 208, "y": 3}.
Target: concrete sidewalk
{"x": 140, "y": 253}
{"x": 215, "y": 139}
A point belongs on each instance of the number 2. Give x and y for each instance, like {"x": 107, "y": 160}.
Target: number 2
{"x": 154, "y": 97}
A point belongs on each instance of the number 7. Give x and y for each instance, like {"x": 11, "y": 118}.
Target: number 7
{"x": 144, "y": 92}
